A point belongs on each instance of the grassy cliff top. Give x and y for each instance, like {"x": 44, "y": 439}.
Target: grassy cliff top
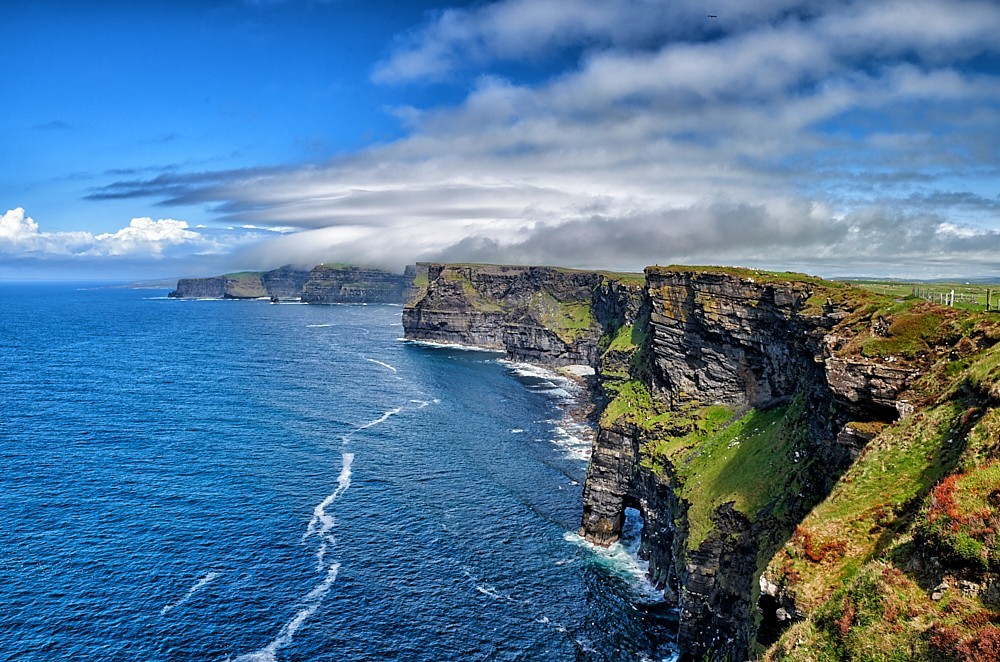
{"x": 623, "y": 276}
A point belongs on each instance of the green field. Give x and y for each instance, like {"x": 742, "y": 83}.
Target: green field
{"x": 968, "y": 296}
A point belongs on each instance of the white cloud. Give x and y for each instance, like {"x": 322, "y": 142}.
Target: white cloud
{"x": 144, "y": 235}
{"x": 800, "y": 131}
{"x": 20, "y": 236}
{"x": 15, "y": 227}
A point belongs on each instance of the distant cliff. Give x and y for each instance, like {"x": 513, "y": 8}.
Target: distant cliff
{"x": 540, "y": 314}
{"x": 334, "y": 283}
{"x": 784, "y": 438}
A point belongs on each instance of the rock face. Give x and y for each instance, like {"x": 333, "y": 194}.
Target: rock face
{"x": 322, "y": 284}
{"x": 285, "y": 282}
{"x": 729, "y": 339}
{"x": 347, "y": 284}
{"x": 700, "y": 338}
{"x": 725, "y": 339}
{"x": 200, "y": 288}
{"x": 538, "y": 314}
{"x": 243, "y": 285}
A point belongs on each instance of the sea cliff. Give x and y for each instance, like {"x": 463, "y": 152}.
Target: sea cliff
{"x": 738, "y": 406}
{"x": 324, "y": 283}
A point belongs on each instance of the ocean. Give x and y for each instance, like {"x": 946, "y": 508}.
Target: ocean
{"x": 235, "y": 480}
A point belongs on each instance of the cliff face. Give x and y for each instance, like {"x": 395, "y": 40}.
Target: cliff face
{"x": 537, "y": 314}
{"x": 347, "y": 284}
{"x": 775, "y": 431}
{"x": 728, "y": 346}
{"x": 322, "y": 284}
{"x": 243, "y": 285}
{"x": 284, "y": 282}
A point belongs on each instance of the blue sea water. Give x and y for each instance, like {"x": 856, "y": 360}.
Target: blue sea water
{"x": 223, "y": 480}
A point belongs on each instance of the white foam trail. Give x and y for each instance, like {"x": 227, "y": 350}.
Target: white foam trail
{"x": 309, "y": 606}
{"x": 490, "y": 591}
{"x": 451, "y": 345}
{"x": 421, "y": 403}
{"x": 321, "y": 524}
{"x": 317, "y": 326}
{"x": 384, "y": 365}
{"x": 200, "y": 584}
{"x": 381, "y": 419}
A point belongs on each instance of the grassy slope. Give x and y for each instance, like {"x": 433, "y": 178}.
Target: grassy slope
{"x": 918, "y": 508}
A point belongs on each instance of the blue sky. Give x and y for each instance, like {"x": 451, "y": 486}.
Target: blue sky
{"x": 147, "y": 139}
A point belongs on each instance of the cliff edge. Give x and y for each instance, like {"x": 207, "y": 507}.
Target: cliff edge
{"x": 788, "y": 441}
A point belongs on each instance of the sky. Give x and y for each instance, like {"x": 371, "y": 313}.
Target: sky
{"x": 144, "y": 139}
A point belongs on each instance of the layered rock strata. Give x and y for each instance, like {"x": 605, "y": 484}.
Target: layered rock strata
{"x": 348, "y": 284}
{"x": 322, "y": 284}
{"x": 767, "y": 348}
{"x": 538, "y": 314}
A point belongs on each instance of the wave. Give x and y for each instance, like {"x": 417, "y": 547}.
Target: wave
{"x": 198, "y": 585}
{"x": 624, "y": 560}
{"x": 547, "y": 381}
{"x": 317, "y": 326}
{"x": 451, "y": 345}
{"x": 574, "y": 438}
{"x": 384, "y": 365}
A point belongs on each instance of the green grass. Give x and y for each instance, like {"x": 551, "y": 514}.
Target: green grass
{"x": 245, "y": 285}
{"x": 628, "y": 338}
{"x": 913, "y": 330}
{"x": 967, "y": 297}
{"x": 984, "y": 373}
{"x": 567, "y": 319}
{"x": 631, "y": 405}
{"x": 749, "y": 463}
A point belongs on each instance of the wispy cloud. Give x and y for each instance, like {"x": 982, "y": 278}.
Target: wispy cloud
{"x": 822, "y": 133}
{"x": 54, "y": 125}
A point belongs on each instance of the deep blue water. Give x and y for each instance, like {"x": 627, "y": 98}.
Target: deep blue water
{"x": 213, "y": 480}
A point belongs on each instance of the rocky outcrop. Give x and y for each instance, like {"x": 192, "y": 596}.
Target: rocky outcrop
{"x": 537, "y": 314}
{"x": 200, "y": 288}
{"x": 870, "y": 385}
{"x": 721, "y": 338}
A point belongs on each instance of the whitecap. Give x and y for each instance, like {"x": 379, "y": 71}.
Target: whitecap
{"x": 317, "y": 326}
{"x": 622, "y": 559}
